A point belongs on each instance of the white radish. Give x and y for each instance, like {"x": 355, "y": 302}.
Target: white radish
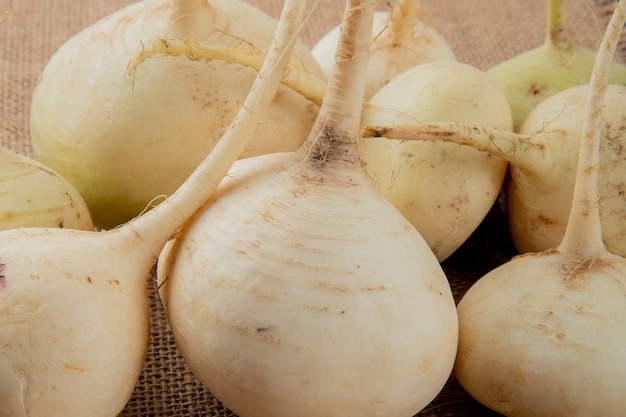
{"x": 299, "y": 290}
{"x": 559, "y": 63}
{"x": 543, "y": 335}
{"x": 74, "y": 308}
{"x": 124, "y": 141}
{"x": 444, "y": 190}
{"x": 32, "y": 195}
{"x": 402, "y": 38}
{"x": 542, "y": 165}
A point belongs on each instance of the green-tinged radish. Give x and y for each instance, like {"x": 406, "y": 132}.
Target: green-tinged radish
{"x": 298, "y": 290}
{"x": 533, "y": 76}
{"x": 74, "y": 308}
{"x": 32, "y": 195}
{"x": 544, "y": 334}
{"x": 402, "y": 38}
{"x": 542, "y": 165}
{"x": 123, "y": 141}
{"x": 444, "y": 190}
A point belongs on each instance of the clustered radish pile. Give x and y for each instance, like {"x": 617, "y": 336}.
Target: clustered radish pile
{"x": 299, "y": 229}
{"x": 75, "y": 329}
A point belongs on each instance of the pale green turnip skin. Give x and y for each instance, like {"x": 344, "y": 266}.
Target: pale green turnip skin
{"x": 443, "y": 189}
{"x": 544, "y": 336}
{"x": 539, "y": 194}
{"x": 124, "y": 141}
{"x": 559, "y": 63}
{"x": 393, "y": 51}
{"x": 534, "y": 76}
{"x": 32, "y": 195}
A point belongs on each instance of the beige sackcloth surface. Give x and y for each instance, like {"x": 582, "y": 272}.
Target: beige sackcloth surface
{"x": 481, "y": 32}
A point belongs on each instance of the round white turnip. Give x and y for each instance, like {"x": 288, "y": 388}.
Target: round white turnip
{"x": 124, "y": 141}
{"x": 298, "y": 281}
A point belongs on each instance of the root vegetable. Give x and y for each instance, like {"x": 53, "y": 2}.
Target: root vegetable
{"x": 124, "y": 141}
{"x": 542, "y": 165}
{"x": 543, "y": 335}
{"x": 33, "y": 195}
{"x": 75, "y": 318}
{"x": 444, "y": 190}
{"x": 559, "y": 63}
{"x": 298, "y": 289}
{"x": 402, "y": 38}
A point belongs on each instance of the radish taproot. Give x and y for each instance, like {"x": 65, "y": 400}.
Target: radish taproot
{"x": 75, "y": 328}
{"x": 402, "y": 38}
{"x": 543, "y": 335}
{"x": 299, "y": 280}
{"x": 542, "y": 165}
{"x": 444, "y": 190}
{"x": 123, "y": 141}
{"x": 559, "y": 63}
{"x": 311, "y": 86}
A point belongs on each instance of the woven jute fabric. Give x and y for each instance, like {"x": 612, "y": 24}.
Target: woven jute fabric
{"x": 481, "y": 32}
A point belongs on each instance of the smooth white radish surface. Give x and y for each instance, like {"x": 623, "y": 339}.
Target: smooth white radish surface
{"x": 299, "y": 290}
{"x": 443, "y": 189}
{"x": 32, "y": 195}
{"x": 75, "y": 325}
{"x": 402, "y": 38}
{"x": 544, "y": 334}
{"x": 123, "y": 141}
{"x": 557, "y": 64}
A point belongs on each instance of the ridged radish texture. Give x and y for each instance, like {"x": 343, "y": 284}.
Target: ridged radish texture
{"x": 299, "y": 290}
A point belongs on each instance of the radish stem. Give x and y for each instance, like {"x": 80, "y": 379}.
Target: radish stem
{"x": 192, "y": 194}
{"x": 518, "y": 149}
{"x": 402, "y": 17}
{"x": 340, "y": 115}
{"x": 297, "y": 78}
{"x": 556, "y": 24}
{"x": 583, "y": 234}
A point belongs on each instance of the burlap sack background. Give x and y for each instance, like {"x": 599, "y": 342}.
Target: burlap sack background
{"x": 482, "y": 33}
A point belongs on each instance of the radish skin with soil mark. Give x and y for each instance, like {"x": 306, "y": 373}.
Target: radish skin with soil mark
{"x": 402, "y": 38}
{"x": 559, "y": 63}
{"x": 444, "y": 190}
{"x": 298, "y": 280}
{"x": 543, "y": 335}
{"x": 75, "y": 328}
{"x": 542, "y": 161}
{"x": 124, "y": 141}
